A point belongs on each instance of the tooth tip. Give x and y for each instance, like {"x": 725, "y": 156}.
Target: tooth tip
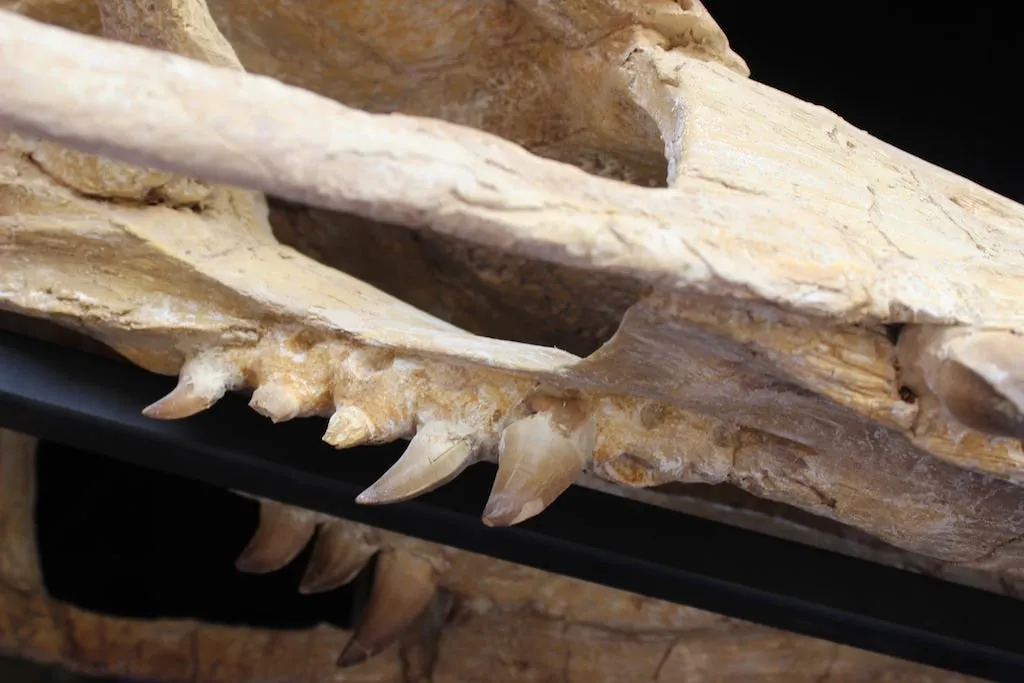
{"x": 506, "y": 510}
{"x": 348, "y": 427}
{"x": 178, "y": 404}
{"x": 283, "y": 532}
{"x": 433, "y": 458}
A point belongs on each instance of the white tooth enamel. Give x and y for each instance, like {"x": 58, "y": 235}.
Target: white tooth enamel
{"x": 435, "y": 456}
{"x": 539, "y": 457}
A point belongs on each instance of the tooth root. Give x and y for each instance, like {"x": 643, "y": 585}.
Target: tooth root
{"x": 338, "y": 556}
{"x": 202, "y": 382}
{"x": 349, "y": 426}
{"x": 537, "y": 461}
{"x": 977, "y": 376}
{"x": 276, "y": 401}
{"x": 282, "y": 534}
{"x": 403, "y": 588}
{"x": 433, "y": 458}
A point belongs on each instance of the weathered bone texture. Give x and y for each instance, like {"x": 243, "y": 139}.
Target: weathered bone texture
{"x": 444, "y": 249}
{"x": 487, "y": 620}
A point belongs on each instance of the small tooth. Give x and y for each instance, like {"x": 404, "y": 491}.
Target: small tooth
{"x": 275, "y": 401}
{"x": 341, "y": 551}
{"x": 537, "y": 461}
{"x": 433, "y": 458}
{"x": 202, "y": 382}
{"x": 282, "y": 534}
{"x": 183, "y": 401}
{"x": 349, "y": 426}
{"x": 403, "y": 587}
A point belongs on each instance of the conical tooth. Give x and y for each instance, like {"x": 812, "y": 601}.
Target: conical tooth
{"x": 403, "y": 587}
{"x": 977, "y": 375}
{"x": 282, "y": 534}
{"x": 349, "y": 426}
{"x": 341, "y": 551}
{"x": 538, "y": 459}
{"x": 276, "y": 401}
{"x": 434, "y": 457}
{"x": 203, "y": 381}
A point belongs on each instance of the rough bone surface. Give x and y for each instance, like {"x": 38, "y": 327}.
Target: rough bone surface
{"x": 558, "y": 224}
{"x": 486, "y": 620}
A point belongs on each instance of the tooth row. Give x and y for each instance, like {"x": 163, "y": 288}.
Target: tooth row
{"x": 453, "y": 416}
{"x": 543, "y": 440}
{"x": 405, "y": 582}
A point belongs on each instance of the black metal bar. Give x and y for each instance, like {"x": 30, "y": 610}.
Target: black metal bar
{"x": 94, "y": 403}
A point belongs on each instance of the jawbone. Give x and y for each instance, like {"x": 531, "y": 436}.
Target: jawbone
{"x": 772, "y": 373}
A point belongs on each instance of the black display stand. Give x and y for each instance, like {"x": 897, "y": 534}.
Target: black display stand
{"x": 94, "y": 403}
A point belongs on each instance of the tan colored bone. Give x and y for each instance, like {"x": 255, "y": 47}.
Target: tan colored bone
{"x": 976, "y": 376}
{"x": 510, "y": 616}
{"x": 691, "y": 389}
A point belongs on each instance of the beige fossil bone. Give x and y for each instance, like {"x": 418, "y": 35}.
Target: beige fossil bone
{"x": 512, "y": 621}
{"x": 751, "y": 348}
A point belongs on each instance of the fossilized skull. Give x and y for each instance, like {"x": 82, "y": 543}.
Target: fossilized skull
{"x": 572, "y": 237}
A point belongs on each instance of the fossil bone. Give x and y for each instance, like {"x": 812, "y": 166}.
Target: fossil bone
{"x": 508, "y": 618}
{"x": 751, "y": 348}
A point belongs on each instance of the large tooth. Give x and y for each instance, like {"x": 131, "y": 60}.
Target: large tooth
{"x": 403, "y": 587}
{"x": 349, "y": 426}
{"x": 341, "y": 551}
{"x": 539, "y": 457}
{"x": 434, "y": 457}
{"x": 202, "y": 382}
{"x": 282, "y": 534}
{"x": 977, "y": 375}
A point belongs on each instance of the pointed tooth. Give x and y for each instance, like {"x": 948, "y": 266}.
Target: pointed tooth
{"x": 349, "y": 426}
{"x": 276, "y": 401}
{"x": 341, "y": 551}
{"x": 434, "y": 457}
{"x": 202, "y": 382}
{"x": 183, "y": 401}
{"x": 282, "y": 534}
{"x": 403, "y": 587}
{"x": 537, "y": 461}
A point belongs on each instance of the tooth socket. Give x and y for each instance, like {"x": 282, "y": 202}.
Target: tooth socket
{"x": 404, "y": 586}
{"x": 976, "y": 376}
